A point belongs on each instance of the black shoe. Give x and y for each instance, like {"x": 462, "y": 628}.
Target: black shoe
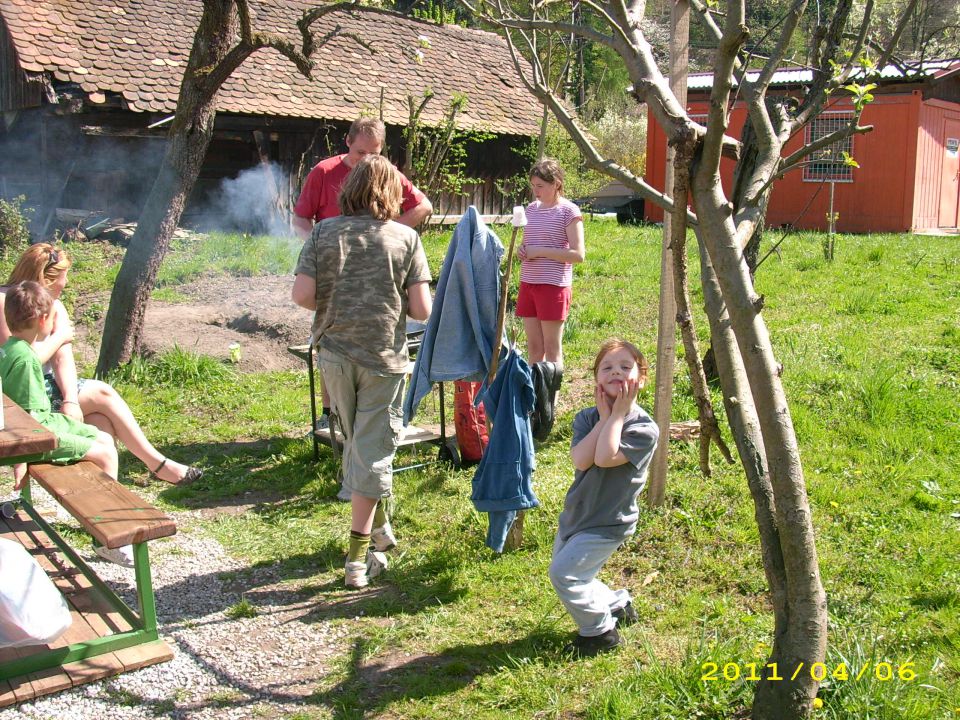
{"x": 626, "y": 615}
{"x": 583, "y": 647}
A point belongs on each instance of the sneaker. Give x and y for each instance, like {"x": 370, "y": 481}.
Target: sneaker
{"x": 583, "y": 646}
{"x": 382, "y": 538}
{"x": 626, "y": 615}
{"x": 376, "y": 563}
{"x": 358, "y": 574}
{"x": 119, "y": 556}
{"x": 323, "y": 423}
{"x": 355, "y": 574}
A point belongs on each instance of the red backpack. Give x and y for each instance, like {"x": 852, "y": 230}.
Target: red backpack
{"x": 470, "y": 422}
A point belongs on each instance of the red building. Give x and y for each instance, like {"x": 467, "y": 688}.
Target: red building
{"x": 909, "y": 174}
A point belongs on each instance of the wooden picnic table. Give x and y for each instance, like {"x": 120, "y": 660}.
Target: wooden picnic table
{"x": 106, "y": 636}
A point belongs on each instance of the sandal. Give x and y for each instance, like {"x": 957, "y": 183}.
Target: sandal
{"x": 190, "y": 476}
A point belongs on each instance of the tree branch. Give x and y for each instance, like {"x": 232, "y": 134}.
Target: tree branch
{"x": 590, "y": 154}
{"x": 251, "y": 41}
{"x": 790, "y": 22}
{"x": 520, "y": 23}
{"x": 895, "y": 38}
{"x": 735, "y": 34}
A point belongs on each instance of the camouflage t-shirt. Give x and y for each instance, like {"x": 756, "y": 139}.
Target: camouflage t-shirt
{"x": 363, "y": 268}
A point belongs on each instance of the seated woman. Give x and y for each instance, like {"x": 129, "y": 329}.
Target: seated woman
{"x": 91, "y": 401}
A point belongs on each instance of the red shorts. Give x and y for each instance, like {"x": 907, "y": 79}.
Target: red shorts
{"x": 544, "y": 302}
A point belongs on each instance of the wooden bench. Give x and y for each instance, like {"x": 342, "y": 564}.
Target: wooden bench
{"x": 114, "y": 516}
{"x": 111, "y": 513}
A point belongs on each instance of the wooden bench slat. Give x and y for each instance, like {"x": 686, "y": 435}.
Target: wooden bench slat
{"x": 111, "y": 513}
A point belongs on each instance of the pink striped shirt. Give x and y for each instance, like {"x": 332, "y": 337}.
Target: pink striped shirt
{"x": 547, "y": 227}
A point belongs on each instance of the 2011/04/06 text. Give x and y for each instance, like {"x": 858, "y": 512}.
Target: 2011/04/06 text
{"x": 732, "y": 671}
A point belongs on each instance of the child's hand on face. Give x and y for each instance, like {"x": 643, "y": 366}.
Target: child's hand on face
{"x": 604, "y": 404}
{"x": 625, "y": 396}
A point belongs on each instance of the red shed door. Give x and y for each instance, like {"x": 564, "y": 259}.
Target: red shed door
{"x": 950, "y": 179}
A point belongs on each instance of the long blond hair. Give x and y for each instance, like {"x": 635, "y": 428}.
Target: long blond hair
{"x": 42, "y": 263}
{"x": 372, "y": 187}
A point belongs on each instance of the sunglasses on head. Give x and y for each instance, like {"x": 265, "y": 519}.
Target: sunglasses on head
{"x": 52, "y": 260}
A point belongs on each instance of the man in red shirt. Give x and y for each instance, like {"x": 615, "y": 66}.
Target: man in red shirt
{"x": 318, "y": 198}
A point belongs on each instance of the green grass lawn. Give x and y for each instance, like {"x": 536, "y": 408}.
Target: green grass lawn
{"x": 870, "y": 345}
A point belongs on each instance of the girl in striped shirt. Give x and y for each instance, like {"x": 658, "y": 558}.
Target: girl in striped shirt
{"x": 552, "y": 243}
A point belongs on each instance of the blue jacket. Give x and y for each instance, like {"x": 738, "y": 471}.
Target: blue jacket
{"x": 458, "y": 342}
{"x": 503, "y": 483}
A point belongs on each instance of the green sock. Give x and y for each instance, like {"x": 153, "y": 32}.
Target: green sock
{"x": 380, "y": 514}
{"x": 358, "y": 546}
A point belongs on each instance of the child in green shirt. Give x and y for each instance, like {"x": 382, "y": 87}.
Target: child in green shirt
{"x": 28, "y": 312}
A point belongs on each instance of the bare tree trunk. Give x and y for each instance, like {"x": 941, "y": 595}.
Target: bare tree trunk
{"x": 666, "y": 319}
{"x": 190, "y": 136}
{"x": 224, "y": 38}
{"x": 709, "y": 428}
{"x": 801, "y": 631}
{"x": 742, "y": 417}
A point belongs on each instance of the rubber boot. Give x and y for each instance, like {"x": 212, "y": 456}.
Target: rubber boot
{"x": 547, "y": 378}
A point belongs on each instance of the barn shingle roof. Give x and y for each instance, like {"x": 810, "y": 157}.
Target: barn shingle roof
{"x": 138, "y": 50}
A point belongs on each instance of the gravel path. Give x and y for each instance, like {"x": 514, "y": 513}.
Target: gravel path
{"x": 262, "y": 667}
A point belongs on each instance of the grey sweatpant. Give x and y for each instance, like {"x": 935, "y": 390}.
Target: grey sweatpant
{"x": 573, "y": 572}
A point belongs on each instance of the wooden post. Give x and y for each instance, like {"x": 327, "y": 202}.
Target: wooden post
{"x": 667, "y": 320}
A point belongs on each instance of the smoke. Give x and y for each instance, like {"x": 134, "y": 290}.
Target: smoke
{"x": 252, "y": 202}
{"x": 54, "y": 164}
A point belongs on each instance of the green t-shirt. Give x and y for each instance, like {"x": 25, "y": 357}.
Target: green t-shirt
{"x": 363, "y": 268}
{"x": 22, "y": 378}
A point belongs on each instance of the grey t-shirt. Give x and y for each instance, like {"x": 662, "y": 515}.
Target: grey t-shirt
{"x": 601, "y": 500}
{"x": 363, "y": 268}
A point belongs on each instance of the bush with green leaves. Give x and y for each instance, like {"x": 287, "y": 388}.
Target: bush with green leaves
{"x": 580, "y": 180}
{"x": 622, "y": 137}
{"x": 14, "y": 226}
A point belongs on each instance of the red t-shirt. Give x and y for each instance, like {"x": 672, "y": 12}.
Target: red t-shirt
{"x": 319, "y": 196}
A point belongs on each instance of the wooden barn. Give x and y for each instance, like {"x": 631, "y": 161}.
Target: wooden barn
{"x": 909, "y": 174}
{"x": 87, "y": 90}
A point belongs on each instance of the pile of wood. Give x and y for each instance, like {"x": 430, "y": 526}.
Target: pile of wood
{"x": 92, "y": 224}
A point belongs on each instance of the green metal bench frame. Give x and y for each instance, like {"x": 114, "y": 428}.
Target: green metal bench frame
{"x": 143, "y": 623}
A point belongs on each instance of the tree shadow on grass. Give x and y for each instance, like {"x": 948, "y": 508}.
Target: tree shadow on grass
{"x": 267, "y": 469}
{"x": 368, "y": 689}
{"x": 409, "y": 587}
{"x": 371, "y": 687}
{"x": 271, "y": 469}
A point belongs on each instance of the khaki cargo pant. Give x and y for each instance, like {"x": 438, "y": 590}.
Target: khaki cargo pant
{"x": 368, "y": 406}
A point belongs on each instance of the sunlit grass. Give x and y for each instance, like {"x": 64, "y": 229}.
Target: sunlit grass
{"x": 870, "y": 345}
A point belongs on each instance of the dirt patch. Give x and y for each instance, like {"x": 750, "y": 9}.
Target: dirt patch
{"x": 254, "y": 312}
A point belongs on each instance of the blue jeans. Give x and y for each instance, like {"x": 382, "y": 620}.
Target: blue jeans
{"x": 573, "y": 573}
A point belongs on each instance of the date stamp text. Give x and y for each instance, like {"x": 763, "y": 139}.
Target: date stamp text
{"x": 751, "y": 671}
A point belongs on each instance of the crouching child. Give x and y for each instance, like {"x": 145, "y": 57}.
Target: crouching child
{"x": 613, "y": 443}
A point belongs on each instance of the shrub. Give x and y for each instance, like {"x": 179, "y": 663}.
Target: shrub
{"x": 580, "y": 181}
{"x": 623, "y": 139}
{"x": 14, "y": 226}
